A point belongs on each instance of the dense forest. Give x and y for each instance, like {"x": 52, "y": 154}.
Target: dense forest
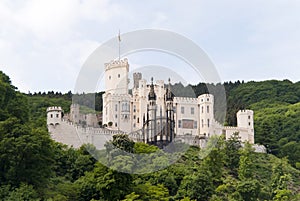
{"x": 34, "y": 167}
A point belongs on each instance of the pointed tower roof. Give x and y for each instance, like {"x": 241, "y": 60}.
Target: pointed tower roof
{"x": 152, "y": 95}
{"x": 169, "y": 94}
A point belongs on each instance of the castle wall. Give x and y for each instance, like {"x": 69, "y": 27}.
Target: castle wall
{"x": 193, "y": 117}
{"x": 186, "y": 116}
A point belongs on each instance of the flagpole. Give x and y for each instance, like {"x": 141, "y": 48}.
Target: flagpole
{"x": 119, "y": 38}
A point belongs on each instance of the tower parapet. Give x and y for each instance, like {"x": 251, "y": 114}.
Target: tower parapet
{"x": 116, "y": 77}
{"x": 117, "y": 64}
{"x": 245, "y": 120}
{"x": 54, "y": 115}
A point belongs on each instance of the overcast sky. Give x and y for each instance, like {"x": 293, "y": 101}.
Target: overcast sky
{"x": 43, "y": 43}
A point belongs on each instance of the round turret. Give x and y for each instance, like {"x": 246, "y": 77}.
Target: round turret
{"x": 206, "y": 113}
{"x": 54, "y": 115}
{"x": 116, "y": 77}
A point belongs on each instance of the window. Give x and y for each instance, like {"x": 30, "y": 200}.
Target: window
{"x": 208, "y": 99}
{"x": 249, "y": 117}
{"x": 202, "y": 123}
{"x": 207, "y": 122}
{"x": 116, "y": 107}
{"x": 116, "y": 116}
{"x": 133, "y": 116}
{"x": 51, "y": 115}
{"x": 179, "y": 123}
{"x": 116, "y": 124}
{"x": 182, "y": 110}
{"x": 134, "y": 108}
{"x": 192, "y": 110}
{"x": 118, "y": 75}
{"x": 134, "y": 125}
{"x": 207, "y": 109}
{"x": 202, "y": 109}
{"x": 125, "y": 107}
{"x": 249, "y": 124}
{"x": 195, "y": 124}
{"x": 138, "y": 120}
{"x": 109, "y": 77}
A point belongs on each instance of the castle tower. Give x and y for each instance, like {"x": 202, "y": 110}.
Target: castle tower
{"x": 245, "y": 121}
{"x": 75, "y": 113}
{"x": 151, "y": 114}
{"x": 116, "y": 100}
{"x": 136, "y": 78}
{"x": 116, "y": 77}
{"x": 170, "y": 121}
{"x": 206, "y": 114}
{"x": 54, "y": 115}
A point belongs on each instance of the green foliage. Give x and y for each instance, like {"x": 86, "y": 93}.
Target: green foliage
{"x": 140, "y": 147}
{"x": 25, "y": 154}
{"x": 149, "y": 192}
{"x": 24, "y": 192}
{"x": 232, "y": 154}
{"x": 33, "y": 167}
{"x": 198, "y": 186}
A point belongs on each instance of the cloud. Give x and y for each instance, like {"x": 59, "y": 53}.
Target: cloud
{"x": 44, "y": 43}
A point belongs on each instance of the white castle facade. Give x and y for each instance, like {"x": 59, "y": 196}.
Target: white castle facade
{"x": 192, "y": 117}
{"x": 150, "y": 113}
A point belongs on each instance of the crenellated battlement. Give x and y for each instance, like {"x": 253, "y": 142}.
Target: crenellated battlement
{"x": 185, "y": 100}
{"x": 245, "y": 112}
{"x": 116, "y": 64}
{"x": 234, "y": 128}
{"x": 54, "y": 108}
{"x": 206, "y": 98}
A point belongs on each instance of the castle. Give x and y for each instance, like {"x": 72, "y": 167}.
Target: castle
{"x": 151, "y": 113}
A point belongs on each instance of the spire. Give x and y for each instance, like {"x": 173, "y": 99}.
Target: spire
{"x": 169, "y": 94}
{"x": 152, "y": 95}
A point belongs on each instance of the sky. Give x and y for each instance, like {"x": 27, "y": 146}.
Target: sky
{"x": 44, "y": 43}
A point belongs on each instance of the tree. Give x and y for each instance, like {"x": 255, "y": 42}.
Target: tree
{"x": 198, "y": 186}
{"x": 25, "y": 154}
{"x": 280, "y": 181}
{"x": 246, "y": 166}
{"x": 232, "y": 146}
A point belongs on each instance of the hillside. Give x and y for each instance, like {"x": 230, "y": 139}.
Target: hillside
{"x": 34, "y": 167}
{"x": 275, "y": 104}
